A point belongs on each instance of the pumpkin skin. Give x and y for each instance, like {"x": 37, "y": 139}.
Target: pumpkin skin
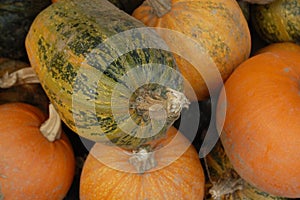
{"x": 220, "y": 29}
{"x": 261, "y": 129}
{"x": 278, "y": 21}
{"x": 63, "y": 48}
{"x": 15, "y": 19}
{"x": 183, "y": 178}
{"x": 31, "y": 167}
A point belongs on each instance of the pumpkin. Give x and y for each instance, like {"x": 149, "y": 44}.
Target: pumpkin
{"x": 278, "y": 21}
{"x": 15, "y": 19}
{"x": 37, "y": 160}
{"x": 111, "y": 79}
{"x": 17, "y": 85}
{"x": 224, "y": 183}
{"x": 261, "y": 130}
{"x": 212, "y": 38}
{"x": 173, "y": 171}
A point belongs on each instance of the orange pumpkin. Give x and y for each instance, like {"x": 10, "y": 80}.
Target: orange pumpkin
{"x": 281, "y": 47}
{"x": 174, "y": 171}
{"x": 31, "y": 166}
{"x": 204, "y": 35}
{"x": 261, "y": 133}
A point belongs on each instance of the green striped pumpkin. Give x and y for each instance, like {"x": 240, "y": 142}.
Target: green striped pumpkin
{"x": 278, "y": 21}
{"x": 105, "y": 73}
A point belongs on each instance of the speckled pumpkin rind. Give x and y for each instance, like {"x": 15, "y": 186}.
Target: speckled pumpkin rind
{"x": 278, "y": 21}
{"x": 220, "y": 31}
{"x": 65, "y": 47}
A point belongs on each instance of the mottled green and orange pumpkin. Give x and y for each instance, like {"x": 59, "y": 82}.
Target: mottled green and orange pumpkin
{"x": 208, "y": 38}
{"x": 278, "y": 21}
{"x": 110, "y": 78}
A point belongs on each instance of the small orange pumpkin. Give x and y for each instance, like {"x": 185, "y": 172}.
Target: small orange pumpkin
{"x": 31, "y": 166}
{"x": 261, "y": 130}
{"x": 110, "y": 173}
{"x": 204, "y": 35}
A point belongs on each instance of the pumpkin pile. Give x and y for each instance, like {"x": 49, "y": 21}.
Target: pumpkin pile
{"x": 150, "y": 99}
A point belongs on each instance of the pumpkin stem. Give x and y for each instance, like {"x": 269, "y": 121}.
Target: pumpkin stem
{"x": 51, "y": 128}
{"x": 226, "y": 184}
{"x": 160, "y": 7}
{"x": 19, "y": 77}
{"x": 176, "y": 102}
{"x": 143, "y": 160}
{"x": 159, "y": 103}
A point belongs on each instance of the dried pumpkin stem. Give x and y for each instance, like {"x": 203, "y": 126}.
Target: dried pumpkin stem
{"x": 160, "y": 7}
{"x": 142, "y": 160}
{"x": 51, "y": 128}
{"x": 176, "y": 102}
{"x": 227, "y": 184}
{"x": 159, "y": 103}
{"x": 22, "y": 76}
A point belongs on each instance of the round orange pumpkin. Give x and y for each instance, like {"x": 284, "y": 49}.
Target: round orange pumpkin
{"x": 176, "y": 173}
{"x": 261, "y": 133}
{"x": 219, "y": 30}
{"x": 32, "y": 167}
